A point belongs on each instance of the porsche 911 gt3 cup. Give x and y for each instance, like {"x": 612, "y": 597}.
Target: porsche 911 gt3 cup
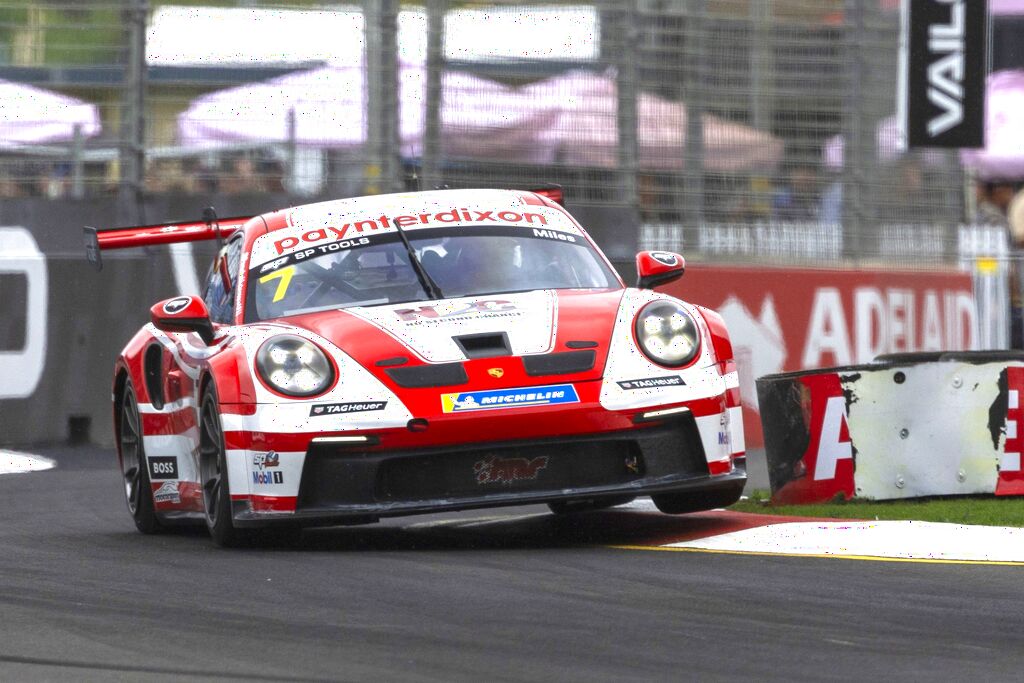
{"x": 413, "y": 353}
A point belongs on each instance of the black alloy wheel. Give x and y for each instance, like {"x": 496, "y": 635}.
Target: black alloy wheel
{"x": 213, "y": 474}
{"x": 138, "y": 491}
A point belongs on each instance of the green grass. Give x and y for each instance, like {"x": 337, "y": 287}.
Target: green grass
{"x": 988, "y": 510}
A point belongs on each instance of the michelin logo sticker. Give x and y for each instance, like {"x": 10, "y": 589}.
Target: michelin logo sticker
{"x": 509, "y": 398}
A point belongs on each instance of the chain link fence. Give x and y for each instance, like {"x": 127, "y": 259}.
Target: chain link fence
{"x": 727, "y": 129}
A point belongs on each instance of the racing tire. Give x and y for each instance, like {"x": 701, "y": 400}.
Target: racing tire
{"x": 138, "y": 491}
{"x": 213, "y": 475}
{"x": 568, "y": 507}
{"x": 698, "y": 501}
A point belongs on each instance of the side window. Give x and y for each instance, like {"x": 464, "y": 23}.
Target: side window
{"x": 219, "y": 301}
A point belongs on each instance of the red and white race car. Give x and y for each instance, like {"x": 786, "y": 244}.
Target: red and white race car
{"x": 414, "y": 353}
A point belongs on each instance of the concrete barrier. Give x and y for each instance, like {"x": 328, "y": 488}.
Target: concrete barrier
{"x": 63, "y": 323}
{"x": 906, "y": 426}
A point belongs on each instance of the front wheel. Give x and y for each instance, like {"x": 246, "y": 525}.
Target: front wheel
{"x": 213, "y": 473}
{"x": 137, "y": 490}
{"x": 696, "y": 501}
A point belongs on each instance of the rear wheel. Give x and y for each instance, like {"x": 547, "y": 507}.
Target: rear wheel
{"x": 696, "y": 501}
{"x": 137, "y": 489}
{"x": 213, "y": 473}
{"x": 566, "y": 507}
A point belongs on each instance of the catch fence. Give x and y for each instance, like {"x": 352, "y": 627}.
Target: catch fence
{"x": 739, "y": 130}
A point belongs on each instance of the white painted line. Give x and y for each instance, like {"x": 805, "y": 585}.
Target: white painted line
{"x": 644, "y": 504}
{"x": 12, "y": 462}
{"x": 884, "y": 539}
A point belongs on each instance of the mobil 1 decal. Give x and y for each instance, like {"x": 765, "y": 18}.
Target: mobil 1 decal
{"x": 947, "y": 45}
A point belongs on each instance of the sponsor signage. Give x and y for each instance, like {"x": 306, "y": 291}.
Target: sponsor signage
{"x": 788, "y": 319}
{"x": 177, "y": 305}
{"x": 947, "y": 45}
{"x": 652, "y": 382}
{"x": 263, "y": 460}
{"x": 167, "y": 493}
{"x": 1011, "y": 469}
{"x": 343, "y": 408}
{"x": 495, "y": 470}
{"x": 494, "y": 399}
{"x": 275, "y": 477}
{"x": 163, "y": 467}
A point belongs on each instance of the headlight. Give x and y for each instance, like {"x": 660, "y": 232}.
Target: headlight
{"x": 667, "y": 334}
{"x": 294, "y": 366}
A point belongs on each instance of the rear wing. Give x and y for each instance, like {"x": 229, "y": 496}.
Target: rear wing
{"x": 210, "y": 227}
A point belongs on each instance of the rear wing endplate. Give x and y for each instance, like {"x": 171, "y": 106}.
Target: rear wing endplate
{"x": 211, "y": 227}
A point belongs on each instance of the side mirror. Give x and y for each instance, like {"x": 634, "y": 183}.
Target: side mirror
{"x": 183, "y": 314}
{"x": 655, "y": 268}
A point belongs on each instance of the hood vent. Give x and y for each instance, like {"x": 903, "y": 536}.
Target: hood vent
{"x": 488, "y": 345}
{"x": 563, "y": 363}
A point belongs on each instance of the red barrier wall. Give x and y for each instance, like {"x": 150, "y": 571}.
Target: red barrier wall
{"x": 786, "y": 319}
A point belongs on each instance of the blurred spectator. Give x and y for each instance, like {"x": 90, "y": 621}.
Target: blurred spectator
{"x": 904, "y": 194}
{"x": 272, "y": 173}
{"x": 994, "y": 198}
{"x": 168, "y": 176}
{"x": 831, "y": 211}
{"x": 206, "y": 177}
{"x": 240, "y": 177}
{"x": 797, "y": 198}
{"x": 10, "y": 186}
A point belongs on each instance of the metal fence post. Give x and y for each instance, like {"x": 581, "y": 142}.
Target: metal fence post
{"x": 383, "y": 167}
{"x": 858, "y": 144}
{"x": 77, "y": 165}
{"x": 431, "y": 175}
{"x": 133, "y": 131}
{"x": 626, "y": 107}
{"x": 693, "y": 98}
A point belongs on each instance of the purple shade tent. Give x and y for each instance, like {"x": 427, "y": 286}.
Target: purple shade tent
{"x": 1003, "y": 155}
{"x": 328, "y": 106}
{"x": 30, "y": 115}
{"x": 585, "y": 131}
{"x": 567, "y": 119}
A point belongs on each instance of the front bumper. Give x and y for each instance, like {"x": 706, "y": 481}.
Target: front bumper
{"x": 354, "y": 482}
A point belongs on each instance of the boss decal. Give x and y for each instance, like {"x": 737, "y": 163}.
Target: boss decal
{"x": 177, "y": 305}
{"x": 163, "y": 467}
{"x": 509, "y": 398}
{"x": 653, "y": 382}
{"x": 495, "y": 470}
{"x": 342, "y": 408}
{"x": 665, "y": 258}
{"x": 167, "y": 493}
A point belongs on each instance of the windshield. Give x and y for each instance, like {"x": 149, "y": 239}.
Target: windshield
{"x": 466, "y": 261}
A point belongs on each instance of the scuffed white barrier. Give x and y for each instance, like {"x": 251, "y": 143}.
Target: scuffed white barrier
{"x": 906, "y": 426}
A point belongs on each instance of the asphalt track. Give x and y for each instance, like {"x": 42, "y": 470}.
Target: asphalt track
{"x": 511, "y": 594}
